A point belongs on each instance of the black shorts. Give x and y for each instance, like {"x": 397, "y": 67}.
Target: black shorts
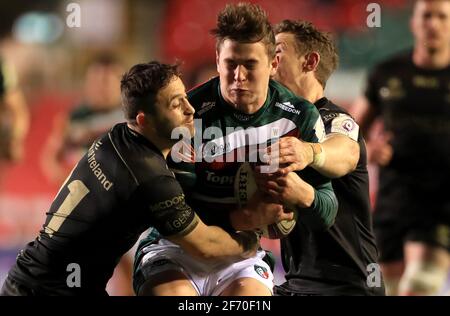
{"x": 13, "y": 287}
{"x": 327, "y": 288}
{"x": 393, "y": 232}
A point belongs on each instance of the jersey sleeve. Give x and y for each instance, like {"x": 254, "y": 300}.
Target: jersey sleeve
{"x": 322, "y": 213}
{"x": 343, "y": 124}
{"x": 167, "y": 205}
{"x": 182, "y": 164}
{"x": 312, "y": 129}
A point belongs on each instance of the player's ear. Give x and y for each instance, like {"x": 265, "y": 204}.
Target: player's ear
{"x": 275, "y": 62}
{"x": 312, "y": 61}
{"x": 140, "y": 119}
{"x": 217, "y": 60}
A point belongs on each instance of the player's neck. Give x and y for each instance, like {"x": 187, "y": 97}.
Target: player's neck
{"x": 310, "y": 90}
{"x": 428, "y": 59}
{"x": 161, "y": 143}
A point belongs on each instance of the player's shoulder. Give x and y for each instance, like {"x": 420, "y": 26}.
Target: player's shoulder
{"x": 140, "y": 157}
{"x": 400, "y": 60}
{"x": 336, "y": 119}
{"x": 204, "y": 94}
{"x": 329, "y": 110}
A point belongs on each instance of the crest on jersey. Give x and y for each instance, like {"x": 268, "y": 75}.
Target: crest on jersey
{"x": 262, "y": 272}
{"x": 344, "y": 124}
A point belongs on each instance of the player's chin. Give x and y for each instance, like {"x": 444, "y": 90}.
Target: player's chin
{"x": 190, "y": 126}
{"x": 242, "y": 100}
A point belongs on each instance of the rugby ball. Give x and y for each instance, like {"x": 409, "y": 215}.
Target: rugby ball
{"x": 244, "y": 188}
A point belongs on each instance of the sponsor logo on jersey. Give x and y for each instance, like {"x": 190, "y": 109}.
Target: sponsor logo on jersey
{"x": 94, "y": 165}
{"x": 328, "y": 117}
{"x": 168, "y": 203}
{"x": 426, "y": 82}
{"x": 206, "y": 106}
{"x": 288, "y": 107}
{"x": 262, "y": 272}
{"x": 213, "y": 178}
{"x": 185, "y": 213}
{"x": 393, "y": 89}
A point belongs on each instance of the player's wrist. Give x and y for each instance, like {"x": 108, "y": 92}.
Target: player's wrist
{"x": 318, "y": 155}
{"x": 249, "y": 242}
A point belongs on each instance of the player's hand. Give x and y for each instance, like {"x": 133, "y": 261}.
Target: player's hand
{"x": 290, "y": 154}
{"x": 261, "y": 211}
{"x": 250, "y": 243}
{"x": 290, "y": 189}
{"x": 379, "y": 151}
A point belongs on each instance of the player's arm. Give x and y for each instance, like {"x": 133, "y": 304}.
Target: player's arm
{"x": 321, "y": 214}
{"x": 365, "y": 113}
{"x": 366, "y": 110}
{"x": 310, "y": 193}
{"x": 260, "y": 211}
{"x": 340, "y": 155}
{"x": 336, "y": 156}
{"x": 212, "y": 242}
{"x": 315, "y": 202}
{"x": 178, "y": 222}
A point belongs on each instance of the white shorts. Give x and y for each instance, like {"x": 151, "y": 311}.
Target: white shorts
{"x": 209, "y": 278}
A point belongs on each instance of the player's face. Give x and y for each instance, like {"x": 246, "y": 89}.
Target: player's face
{"x": 244, "y": 70}
{"x": 289, "y": 62}
{"x": 430, "y": 24}
{"x": 173, "y": 109}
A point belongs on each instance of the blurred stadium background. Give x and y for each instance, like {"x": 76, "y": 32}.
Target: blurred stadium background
{"x": 47, "y": 60}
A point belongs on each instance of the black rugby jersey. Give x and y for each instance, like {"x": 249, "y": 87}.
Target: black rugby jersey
{"x": 338, "y": 260}
{"x": 415, "y": 106}
{"x": 121, "y": 187}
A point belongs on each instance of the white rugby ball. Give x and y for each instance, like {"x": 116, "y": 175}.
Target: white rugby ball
{"x": 244, "y": 188}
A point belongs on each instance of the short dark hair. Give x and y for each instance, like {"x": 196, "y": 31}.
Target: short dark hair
{"x": 244, "y": 23}
{"x": 310, "y": 39}
{"x": 140, "y": 85}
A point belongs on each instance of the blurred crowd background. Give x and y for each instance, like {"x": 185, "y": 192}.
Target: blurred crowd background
{"x": 68, "y": 77}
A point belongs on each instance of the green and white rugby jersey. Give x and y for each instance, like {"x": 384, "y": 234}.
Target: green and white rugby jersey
{"x": 226, "y": 137}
